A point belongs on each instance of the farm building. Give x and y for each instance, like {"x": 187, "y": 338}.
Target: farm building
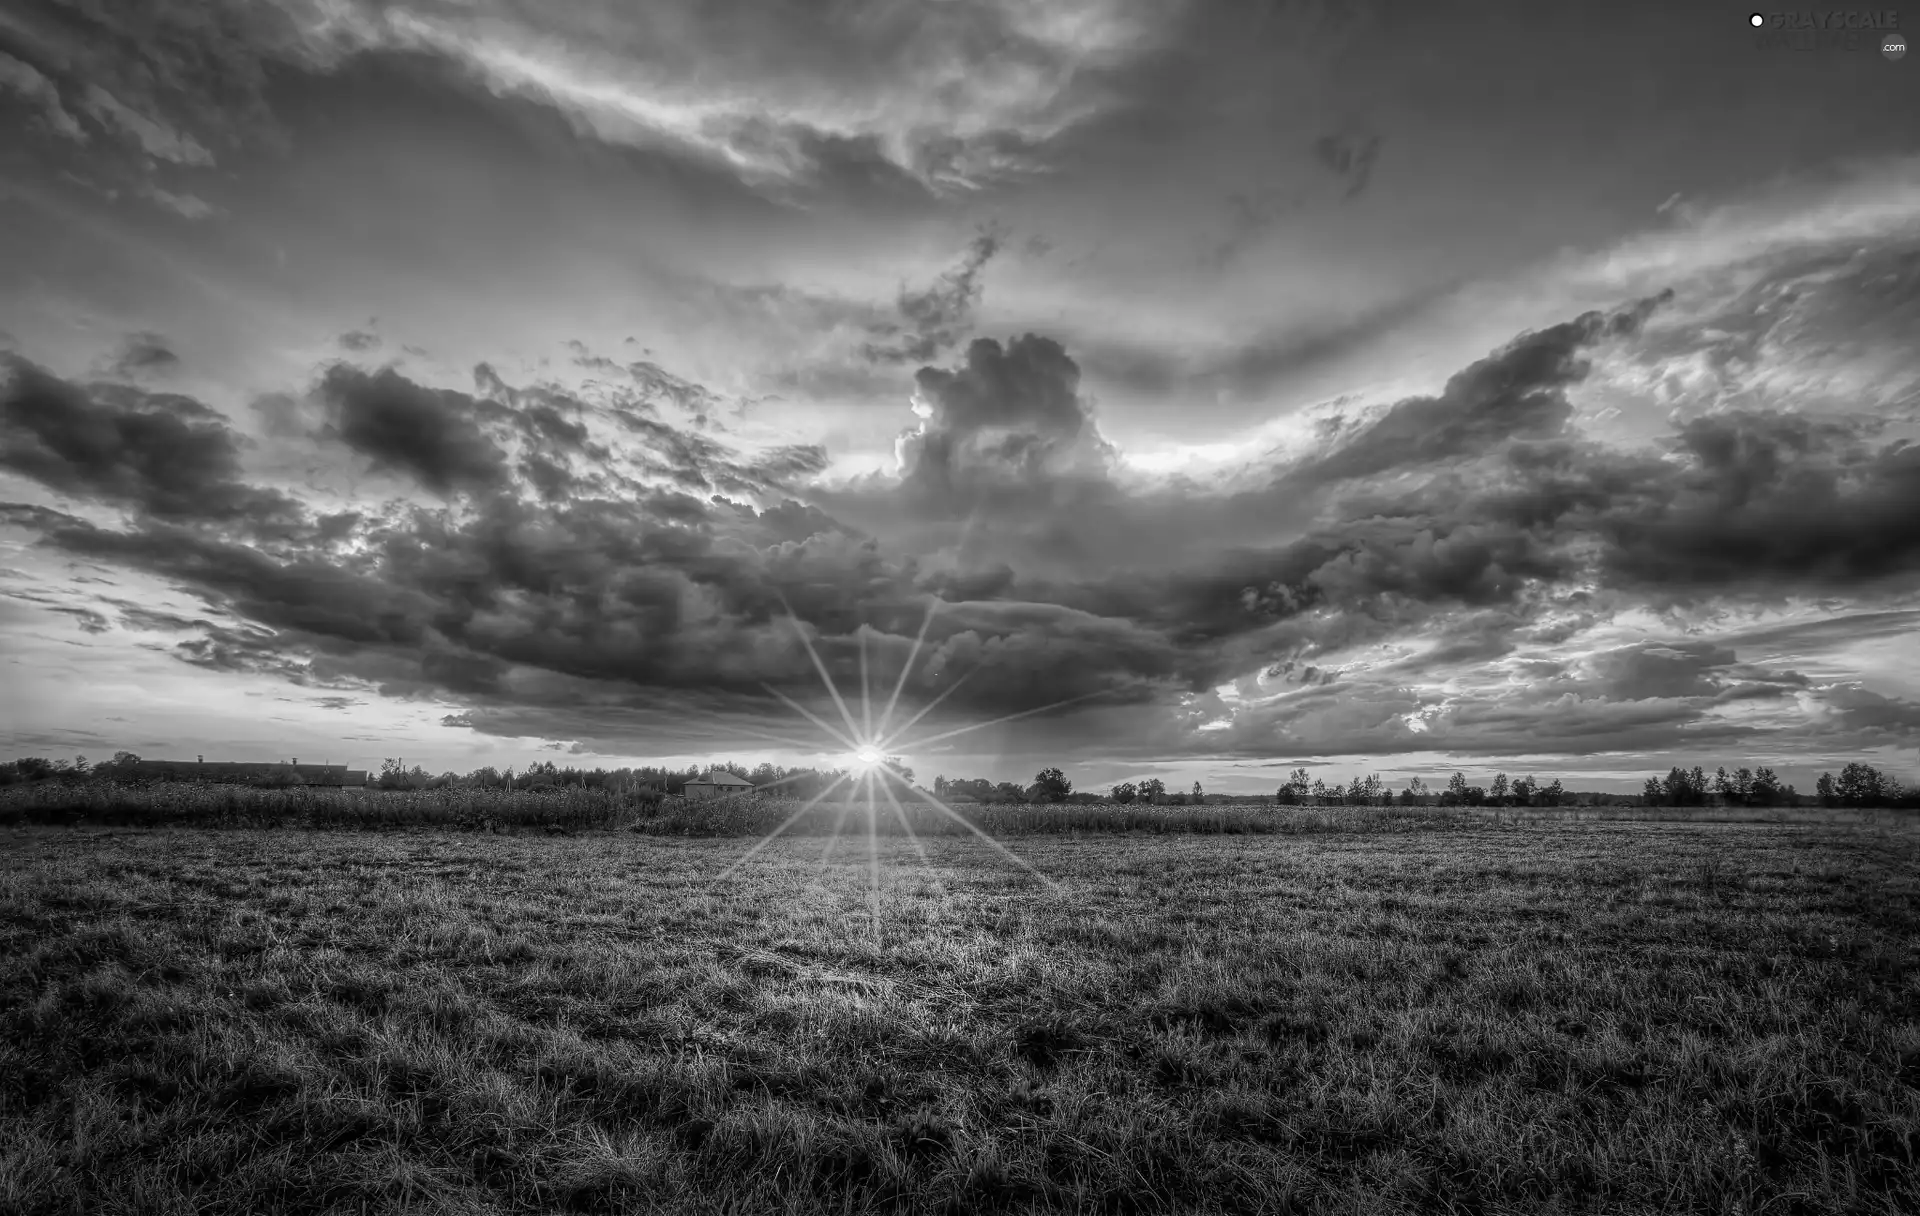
{"x": 716, "y": 783}
{"x": 248, "y": 772}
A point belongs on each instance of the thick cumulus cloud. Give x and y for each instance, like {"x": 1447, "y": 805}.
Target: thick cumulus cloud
{"x": 433, "y": 434}
{"x": 1010, "y": 416}
{"x": 577, "y": 565}
{"x": 1518, "y": 392}
{"x": 164, "y": 455}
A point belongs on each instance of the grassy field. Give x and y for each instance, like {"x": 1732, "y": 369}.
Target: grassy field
{"x": 1572, "y": 1016}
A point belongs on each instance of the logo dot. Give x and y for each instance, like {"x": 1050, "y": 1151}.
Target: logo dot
{"x": 1757, "y": 20}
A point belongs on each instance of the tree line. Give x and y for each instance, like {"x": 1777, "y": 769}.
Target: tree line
{"x": 1857, "y": 785}
{"x": 395, "y": 774}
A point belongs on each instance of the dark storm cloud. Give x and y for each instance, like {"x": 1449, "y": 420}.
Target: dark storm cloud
{"x": 433, "y": 434}
{"x": 937, "y": 316}
{"x": 164, "y": 454}
{"x": 1009, "y": 415}
{"x": 1771, "y": 498}
{"x": 1518, "y": 392}
{"x": 359, "y": 341}
{"x": 566, "y": 574}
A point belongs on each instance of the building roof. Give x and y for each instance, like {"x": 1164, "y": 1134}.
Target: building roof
{"x": 723, "y": 777}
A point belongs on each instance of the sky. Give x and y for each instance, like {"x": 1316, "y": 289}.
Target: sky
{"x": 1143, "y": 387}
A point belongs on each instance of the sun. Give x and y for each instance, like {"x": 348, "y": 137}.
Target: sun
{"x": 871, "y": 777}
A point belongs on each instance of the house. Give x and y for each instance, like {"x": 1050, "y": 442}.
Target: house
{"x": 248, "y": 773}
{"x": 716, "y": 784}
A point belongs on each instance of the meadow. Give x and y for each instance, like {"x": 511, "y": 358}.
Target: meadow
{"x": 1386, "y": 1016}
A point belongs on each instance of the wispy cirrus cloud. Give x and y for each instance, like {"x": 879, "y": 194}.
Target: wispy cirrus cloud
{"x": 952, "y": 97}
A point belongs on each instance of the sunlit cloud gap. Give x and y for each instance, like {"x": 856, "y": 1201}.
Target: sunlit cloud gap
{"x": 770, "y": 837}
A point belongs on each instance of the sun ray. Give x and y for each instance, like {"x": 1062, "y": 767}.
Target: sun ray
{"x": 929, "y": 707}
{"x": 906, "y": 669}
{"x": 962, "y": 820}
{"x": 866, "y": 690}
{"x": 833, "y": 841}
{"x": 820, "y": 667}
{"x": 1025, "y": 713}
{"x": 873, "y": 854}
{"x": 767, "y": 736}
{"x": 810, "y": 716}
{"x": 770, "y": 836}
{"x": 926, "y": 862}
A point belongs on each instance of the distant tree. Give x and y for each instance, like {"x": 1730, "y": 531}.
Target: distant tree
{"x": 1373, "y": 790}
{"x": 1476, "y": 796}
{"x": 1723, "y": 787}
{"x": 1862, "y": 785}
{"x": 1553, "y": 795}
{"x": 1824, "y": 790}
{"x": 1198, "y": 796}
{"x": 1524, "y": 789}
{"x": 1007, "y": 791}
{"x": 1322, "y": 794}
{"x": 1153, "y": 790}
{"x": 1125, "y": 792}
{"x": 1683, "y": 788}
{"x": 1295, "y": 790}
{"x": 1415, "y": 794}
{"x": 1456, "y": 791}
{"x": 1765, "y": 789}
{"x": 1655, "y": 792}
{"x": 125, "y": 759}
{"x": 393, "y": 773}
{"x": 1497, "y": 793}
{"x": 1356, "y": 794}
{"x": 1051, "y": 785}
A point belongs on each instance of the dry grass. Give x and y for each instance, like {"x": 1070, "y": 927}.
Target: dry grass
{"x": 1585, "y": 1016}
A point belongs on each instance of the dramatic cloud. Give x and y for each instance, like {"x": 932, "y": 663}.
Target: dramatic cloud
{"x": 1516, "y": 393}
{"x": 397, "y": 424}
{"x": 166, "y": 455}
{"x": 1351, "y": 390}
{"x": 937, "y": 316}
